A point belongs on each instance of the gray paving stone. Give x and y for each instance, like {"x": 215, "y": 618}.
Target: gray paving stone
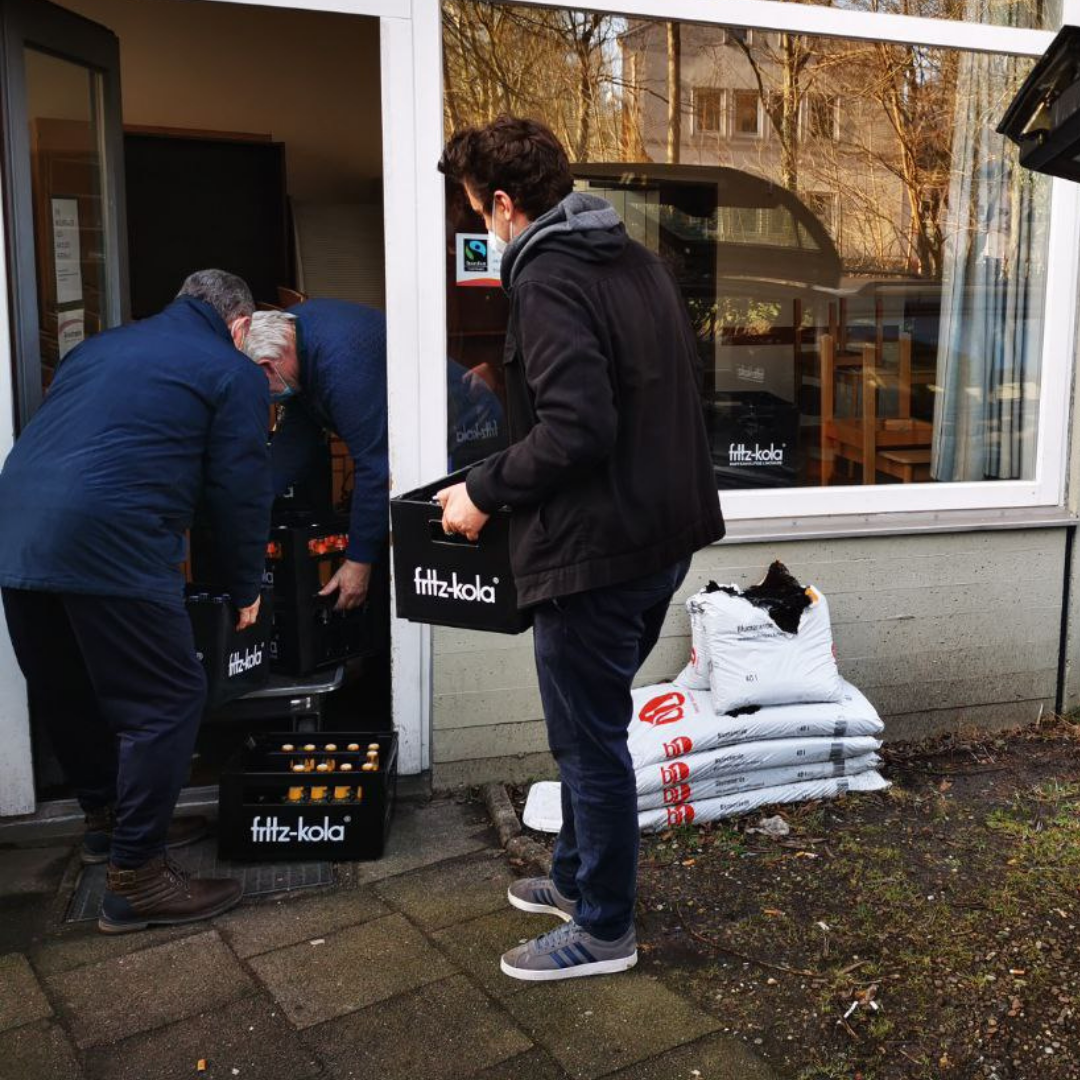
{"x": 21, "y": 998}
{"x": 444, "y": 1031}
{"x": 716, "y": 1057}
{"x": 249, "y": 1035}
{"x": 261, "y": 927}
{"x": 117, "y": 998}
{"x": 451, "y": 892}
{"x": 32, "y": 871}
{"x": 428, "y": 833}
{"x": 535, "y": 1065}
{"x": 595, "y": 1026}
{"x": 354, "y": 968}
{"x": 37, "y": 1051}
{"x": 476, "y": 946}
{"x": 84, "y": 944}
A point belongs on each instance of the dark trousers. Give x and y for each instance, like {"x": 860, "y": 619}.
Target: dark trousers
{"x": 589, "y": 647}
{"x": 118, "y": 686}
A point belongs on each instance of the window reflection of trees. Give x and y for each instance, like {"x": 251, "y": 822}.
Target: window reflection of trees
{"x": 939, "y": 236}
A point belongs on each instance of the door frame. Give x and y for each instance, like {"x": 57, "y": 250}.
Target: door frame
{"x": 410, "y": 44}
{"x": 67, "y": 36}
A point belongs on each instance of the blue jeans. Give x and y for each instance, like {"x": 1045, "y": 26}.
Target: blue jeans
{"x": 589, "y": 647}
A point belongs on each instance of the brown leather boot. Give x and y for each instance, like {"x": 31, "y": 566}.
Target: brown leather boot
{"x": 99, "y": 830}
{"x": 162, "y": 893}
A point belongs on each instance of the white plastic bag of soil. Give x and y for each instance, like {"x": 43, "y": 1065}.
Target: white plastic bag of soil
{"x": 770, "y": 644}
{"x": 695, "y": 676}
{"x": 671, "y": 721}
{"x": 683, "y": 782}
{"x": 750, "y": 757}
{"x": 728, "y": 806}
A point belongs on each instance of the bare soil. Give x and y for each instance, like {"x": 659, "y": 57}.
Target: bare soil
{"x": 926, "y": 932}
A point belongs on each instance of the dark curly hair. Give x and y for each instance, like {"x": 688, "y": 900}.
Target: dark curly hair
{"x": 513, "y": 154}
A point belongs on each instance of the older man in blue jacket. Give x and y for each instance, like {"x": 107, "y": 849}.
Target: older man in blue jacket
{"x": 139, "y": 424}
{"x": 330, "y": 355}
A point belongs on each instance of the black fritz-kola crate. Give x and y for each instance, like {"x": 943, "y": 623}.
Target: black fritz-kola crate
{"x": 448, "y": 580}
{"x": 259, "y": 817}
{"x": 303, "y": 554}
{"x": 235, "y": 661}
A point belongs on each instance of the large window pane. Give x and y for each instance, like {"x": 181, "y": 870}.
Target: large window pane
{"x": 861, "y": 256}
{"x": 67, "y": 169}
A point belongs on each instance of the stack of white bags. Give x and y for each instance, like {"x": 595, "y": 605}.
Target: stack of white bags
{"x": 760, "y": 716}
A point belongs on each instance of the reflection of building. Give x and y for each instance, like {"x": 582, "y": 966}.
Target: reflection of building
{"x": 842, "y": 145}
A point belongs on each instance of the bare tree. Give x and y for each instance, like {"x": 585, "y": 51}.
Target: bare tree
{"x": 674, "y": 89}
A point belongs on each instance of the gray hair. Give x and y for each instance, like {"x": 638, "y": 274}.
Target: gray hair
{"x": 227, "y": 294}
{"x": 272, "y": 333}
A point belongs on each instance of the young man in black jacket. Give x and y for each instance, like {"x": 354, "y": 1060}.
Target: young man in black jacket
{"x": 611, "y": 486}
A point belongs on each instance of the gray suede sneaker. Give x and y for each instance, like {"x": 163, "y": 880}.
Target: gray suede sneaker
{"x": 569, "y": 953}
{"x": 538, "y": 894}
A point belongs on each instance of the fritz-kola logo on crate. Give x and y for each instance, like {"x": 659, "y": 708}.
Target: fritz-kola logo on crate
{"x": 428, "y": 583}
{"x": 272, "y": 831}
{"x": 741, "y": 454}
{"x": 252, "y": 658}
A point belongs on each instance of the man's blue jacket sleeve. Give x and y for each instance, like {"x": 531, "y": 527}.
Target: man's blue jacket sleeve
{"x": 237, "y": 484}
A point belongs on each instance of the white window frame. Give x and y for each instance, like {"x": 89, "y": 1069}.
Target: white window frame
{"x": 721, "y": 98}
{"x": 729, "y": 38}
{"x": 1048, "y": 486}
{"x": 733, "y": 114}
{"x": 804, "y": 122}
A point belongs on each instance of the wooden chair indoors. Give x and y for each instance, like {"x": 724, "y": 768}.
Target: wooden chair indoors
{"x": 288, "y": 297}
{"x": 898, "y": 447}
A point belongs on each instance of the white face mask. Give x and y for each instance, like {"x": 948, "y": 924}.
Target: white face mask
{"x": 496, "y": 244}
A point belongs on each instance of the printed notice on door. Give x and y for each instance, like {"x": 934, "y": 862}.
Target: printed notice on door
{"x": 70, "y": 330}
{"x": 65, "y": 222}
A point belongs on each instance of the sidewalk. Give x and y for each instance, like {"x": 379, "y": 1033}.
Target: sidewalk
{"x": 393, "y": 974}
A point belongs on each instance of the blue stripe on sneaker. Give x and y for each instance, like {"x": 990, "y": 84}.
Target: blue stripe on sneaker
{"x": 585, "y": 954}
{"x": 568, "y": 954}
{"x": 558, "y": 959}
{"x": 544, "y": 896}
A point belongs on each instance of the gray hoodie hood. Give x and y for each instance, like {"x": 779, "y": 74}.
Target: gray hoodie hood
{"x": 561, "y": 227}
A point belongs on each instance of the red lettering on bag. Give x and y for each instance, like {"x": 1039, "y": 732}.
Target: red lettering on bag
{"x": 680, "y": 793}
{"x": 672, "y": 774}
{"x": 682, "y": 814}
{"x": 679, "y": 746}
{"x": 666, "y": 709}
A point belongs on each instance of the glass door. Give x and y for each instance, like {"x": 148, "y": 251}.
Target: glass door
{"x": 64, "y": 197}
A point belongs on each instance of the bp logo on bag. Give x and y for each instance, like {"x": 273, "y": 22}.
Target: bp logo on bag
{"x": 666, "y": 709}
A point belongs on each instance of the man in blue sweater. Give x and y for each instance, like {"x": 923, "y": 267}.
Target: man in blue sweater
{"x": 331, "y": 356}
{"x": 139, "y": 423}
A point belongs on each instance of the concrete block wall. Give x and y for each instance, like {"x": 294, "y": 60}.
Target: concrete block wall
{"x": 939, "y": 630}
